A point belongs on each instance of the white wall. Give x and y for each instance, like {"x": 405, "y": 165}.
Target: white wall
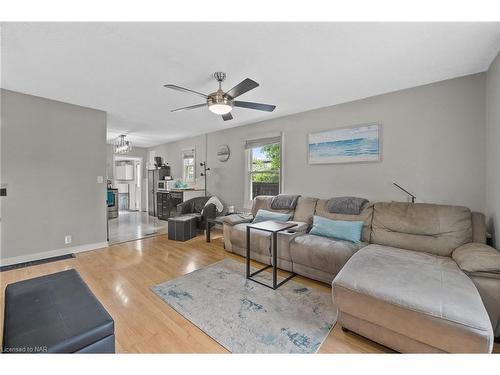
{"x": 432, "y": 143}
{"x": 51, "y": 155}
{"x": 493, "y": 149}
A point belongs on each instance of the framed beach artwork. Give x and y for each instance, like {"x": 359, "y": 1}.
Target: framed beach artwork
{"x": 355, "y": 144}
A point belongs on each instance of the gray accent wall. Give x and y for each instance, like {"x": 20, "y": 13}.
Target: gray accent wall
{"x": 493, "y": 149}
{"x": 433, "y": 139}
{"x": 51, "y": 156}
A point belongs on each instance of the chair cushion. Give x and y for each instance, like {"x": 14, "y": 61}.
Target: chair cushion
{"x": 322, "y": 253}
{"x": 57, "y": 312}
{"x": 421, "y": 296}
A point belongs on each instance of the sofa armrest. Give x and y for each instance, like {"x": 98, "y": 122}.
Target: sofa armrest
{"x": 477, "y": 257}
{"x": 301, "y": 226}
{"x": 237, "y": 219}
{"x": 209, "y": 212}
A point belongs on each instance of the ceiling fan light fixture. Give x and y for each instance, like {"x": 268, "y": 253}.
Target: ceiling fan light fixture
{"x": 220, "y": 109}
{"x": 219, "y": 104}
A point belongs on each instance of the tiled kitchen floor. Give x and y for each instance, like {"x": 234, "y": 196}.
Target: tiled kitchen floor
{"x": 133, "y": 225}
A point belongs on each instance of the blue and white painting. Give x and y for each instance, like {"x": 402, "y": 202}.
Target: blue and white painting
{"x": 347, "y": 145}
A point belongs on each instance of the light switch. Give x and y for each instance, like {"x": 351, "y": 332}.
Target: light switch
{"x": 100, "y": 179}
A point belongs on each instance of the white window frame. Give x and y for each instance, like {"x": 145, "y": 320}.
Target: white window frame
{"x": 247, "y": 198}
{"x": 184, "y": 156}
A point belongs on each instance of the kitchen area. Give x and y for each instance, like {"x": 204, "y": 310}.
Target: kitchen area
{"x": 142, "y": 196}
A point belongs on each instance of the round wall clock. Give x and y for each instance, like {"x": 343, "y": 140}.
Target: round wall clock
{"x": 223, "y": 153}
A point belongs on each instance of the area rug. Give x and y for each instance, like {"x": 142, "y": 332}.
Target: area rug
{"x": 246, "y": 317}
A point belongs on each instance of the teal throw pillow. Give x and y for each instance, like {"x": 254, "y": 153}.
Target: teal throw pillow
{"x": 338, "y": 229}
{"x": 264, "y": 215}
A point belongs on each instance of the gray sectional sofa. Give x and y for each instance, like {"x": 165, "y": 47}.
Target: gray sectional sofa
{"x": 422, "y": 278}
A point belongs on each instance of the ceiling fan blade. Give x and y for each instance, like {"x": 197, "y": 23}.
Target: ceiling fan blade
{"x": 241, "y": 88}
{"x": 252, "y": 105}
{"x": 227, "y": 116}
{"x": 190, "y": 107}
{"x": 178, "y": 88}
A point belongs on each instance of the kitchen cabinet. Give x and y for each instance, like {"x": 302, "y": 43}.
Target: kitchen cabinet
{"x": 166, "y": 204}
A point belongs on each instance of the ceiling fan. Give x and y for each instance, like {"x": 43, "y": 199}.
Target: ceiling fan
{"x": 222, "y": 103}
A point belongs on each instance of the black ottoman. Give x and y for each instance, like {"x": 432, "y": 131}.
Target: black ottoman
{"x": 55, "y": 314}
{"x": 182, "y": 228}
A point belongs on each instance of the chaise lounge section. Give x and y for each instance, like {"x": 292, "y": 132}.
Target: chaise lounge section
{"x": 406, "y": 291}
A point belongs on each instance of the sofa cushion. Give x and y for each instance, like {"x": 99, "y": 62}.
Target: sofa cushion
{"x": 365, "y": 216}
{"x": 304, "y": 211}
{"x": 421, "y": 296}
{"x": 322, "y": 253}
{"x": 236, "y": 219}
{"x": 346, "y": 205}
{"x": 260, "y": 241}
{"x": 264, "y": 202}
{"x": 284, "y": 202}
{"x": 431, "y": 228}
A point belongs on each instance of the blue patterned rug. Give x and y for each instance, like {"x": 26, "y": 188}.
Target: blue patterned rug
{"x": 246, "y": 317}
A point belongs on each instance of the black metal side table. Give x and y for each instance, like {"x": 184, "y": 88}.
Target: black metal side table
{"x": 273, "y": 227}
{"x": 209, "y": 224}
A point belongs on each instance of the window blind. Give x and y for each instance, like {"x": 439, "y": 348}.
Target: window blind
{"x": 188, "y": 154}
{"x": 262, "y": 142}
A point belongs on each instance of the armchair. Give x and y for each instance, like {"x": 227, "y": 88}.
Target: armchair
{"x": 195, "y": 207}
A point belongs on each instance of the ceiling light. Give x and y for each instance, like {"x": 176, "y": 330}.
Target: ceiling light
{"x": 122, "y": 146}
{"x": 220, "y": 109}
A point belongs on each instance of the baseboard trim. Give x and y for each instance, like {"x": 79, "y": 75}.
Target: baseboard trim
{"x": 52, "y": 253}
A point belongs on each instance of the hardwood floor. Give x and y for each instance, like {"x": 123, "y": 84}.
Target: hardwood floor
{"x": 121, "y": 276}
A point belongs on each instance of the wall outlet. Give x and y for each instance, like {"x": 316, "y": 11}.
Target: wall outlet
{"x": 100, "y": 179}
{"x": 67, "y": 239}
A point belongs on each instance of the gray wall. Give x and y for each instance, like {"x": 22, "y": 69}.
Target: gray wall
{"x": 432, "y": 143}
{"x": 51, "y": 155}
{"x": 493, "y": 149}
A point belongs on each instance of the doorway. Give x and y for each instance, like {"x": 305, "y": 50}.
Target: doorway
{"x": 129, "y": 184}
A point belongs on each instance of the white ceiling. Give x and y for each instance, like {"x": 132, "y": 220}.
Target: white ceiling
{"x": 121, "y": 67}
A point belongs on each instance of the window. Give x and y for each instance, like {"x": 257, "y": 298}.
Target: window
{"x": 263, "y": 168}
{"x": 188, "y": 165}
